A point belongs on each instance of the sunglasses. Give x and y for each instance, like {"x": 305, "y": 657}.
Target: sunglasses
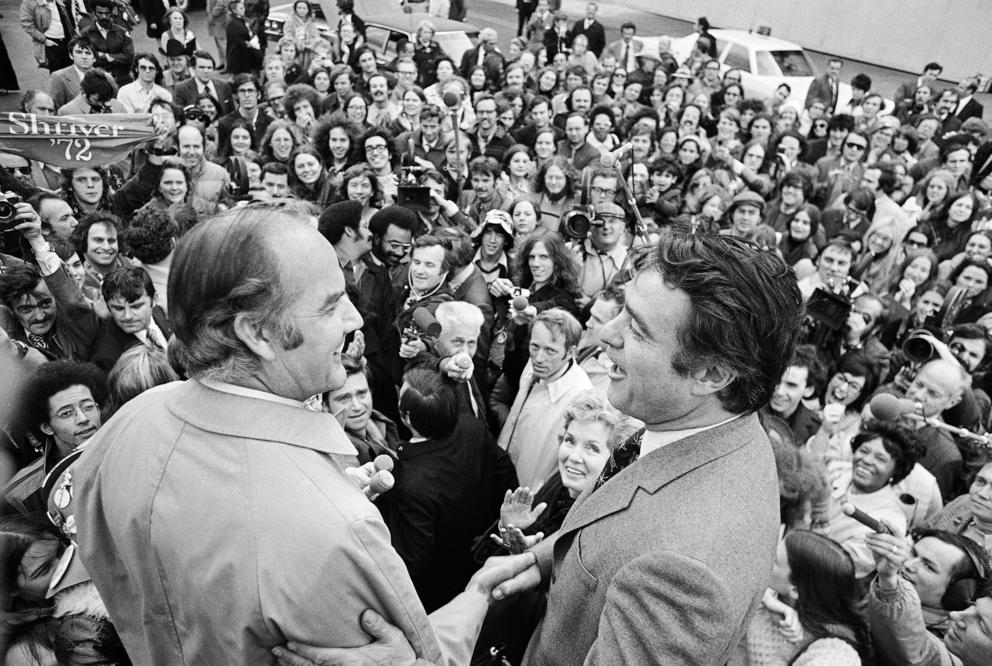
{"x": 858, "y": 146}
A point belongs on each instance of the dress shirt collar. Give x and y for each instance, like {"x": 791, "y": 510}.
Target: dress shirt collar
{"x": 657, "y": 439}
{"x": 246, "y": 392}
{"x": 563, "y": 383}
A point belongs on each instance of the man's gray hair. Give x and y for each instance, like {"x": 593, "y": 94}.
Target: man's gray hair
{"x": 224, "y": 267}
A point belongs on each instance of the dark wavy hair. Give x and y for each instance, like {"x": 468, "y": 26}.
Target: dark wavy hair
{"x": 56, "y": 376}
{"x": 566, "y": 268}
{"x": 729, "y": 280}
{"x": 571, "y": 176}
{"x": 322, "y": 135}
{"x": 151, "y": 235}
{"x": 899, "y": 442}
{"x": 823, "y": 574}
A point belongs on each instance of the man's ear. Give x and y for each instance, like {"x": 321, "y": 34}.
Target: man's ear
{"x": 809, "y": 392}
{"x": 710, "y": 380}
{"x": 46, "y": 428}
{"x": 253, "y": 337}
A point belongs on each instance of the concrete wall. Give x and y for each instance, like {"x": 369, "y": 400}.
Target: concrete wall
{"x": 899, "y": 34}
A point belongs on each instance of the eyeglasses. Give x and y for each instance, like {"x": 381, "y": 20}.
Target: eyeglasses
{"x": 23, "y": 170}
{"x": 856, "y": 146}
{"x": 276, "y": 100}
{"x": 600, "y": 192}
{"x": 87, "y": 407}
{"x": 377, "y": 148}
{"x": 397, "y": 246}
{"x": 914, "y": 243}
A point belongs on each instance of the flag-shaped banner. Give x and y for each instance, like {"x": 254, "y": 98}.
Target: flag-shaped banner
{"x": 70, "y": 142}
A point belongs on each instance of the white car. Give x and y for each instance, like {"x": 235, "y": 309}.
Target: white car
{"x": 383, "y": 32}
{"x": 765, "y": 63}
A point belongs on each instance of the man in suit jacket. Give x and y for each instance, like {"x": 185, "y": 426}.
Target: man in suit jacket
{"x": 236, "y": 437}
{"x": 592, "y": 29}
{"x": 486, "y": 54}
{"x": 203, "y": 81}
{"x": 968, "y": 106}
{"x": 907, "y": 89}
{"x": 64, "y": 83}
{"x": 134, "y": 317}
{"x": 824, "y": 88}
{"x": 626, "y": 48}
{"x": 665, "y": 560}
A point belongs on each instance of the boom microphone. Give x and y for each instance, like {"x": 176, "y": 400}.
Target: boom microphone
{"x": 610, "y": 160}
{"x": 863, "y": 518}
{"x": 888, "y": 407}
{"x": 451, "y": 100}
{"x": 426, "y": 322}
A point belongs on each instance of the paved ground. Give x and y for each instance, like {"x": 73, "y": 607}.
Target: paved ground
{"x": 498, "y": 14}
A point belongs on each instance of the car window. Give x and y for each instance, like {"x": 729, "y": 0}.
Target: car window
{"x": 783, "y": 63}
{"x": 737, "y": 58}
{"x": 392, "y": 46}
{"x": 720, "y": 46}
{"x": 376, "y": 37}
{"x": 454, "y": 44}
{"x": 315, "y": 10}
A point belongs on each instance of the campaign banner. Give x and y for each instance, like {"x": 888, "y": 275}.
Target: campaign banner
{"x": 71, "y": 142}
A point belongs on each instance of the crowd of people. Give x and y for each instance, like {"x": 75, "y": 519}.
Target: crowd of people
{"x": 503, "y": 283}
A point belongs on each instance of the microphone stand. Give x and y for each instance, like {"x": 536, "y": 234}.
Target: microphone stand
{"x": 964, "y": 433}
{"x": 639, "y": 228}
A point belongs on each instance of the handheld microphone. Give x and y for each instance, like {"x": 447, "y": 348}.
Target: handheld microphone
{"x": 863, "y": 518}
{"x": 520, "y": 303}
{"x": 426, "y": 322}
{"x": 610, "y": 160}
{"x": 888, "y": 407}
{"x": 380, "y": 482}
{"x": 451, "y": 100}
{"x": 383, "y": 463}
{"x": 463, "y": 362}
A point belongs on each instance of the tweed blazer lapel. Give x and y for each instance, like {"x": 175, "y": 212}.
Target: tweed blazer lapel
{"x": 660, "y": 468}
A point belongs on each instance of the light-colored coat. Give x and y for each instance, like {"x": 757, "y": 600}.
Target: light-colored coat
{"x": 36, "y": 18}
{"x": 666, "y": 562}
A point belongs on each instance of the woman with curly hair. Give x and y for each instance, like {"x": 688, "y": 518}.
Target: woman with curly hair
{"x": 308, "y": 179}
{"x": 173, "y": 186}
{"x": 360, "y": 184}
{"x": 554, "y": 186}
{"x": 281, "y": 139}
{"x": 302, "y": 105}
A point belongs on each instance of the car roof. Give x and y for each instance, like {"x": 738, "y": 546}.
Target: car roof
{"x": 403, "y": 22}
{"x": 755, "y": 41}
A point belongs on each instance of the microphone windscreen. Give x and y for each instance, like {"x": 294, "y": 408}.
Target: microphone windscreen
{"x": 520, "y": 303}
{"x": 381, "y": 481}
{"x": 383, "y": 463}
{"x": 450, "y": 100}
{"x": 426, "y": 322}
{"x": 885, "y": 406}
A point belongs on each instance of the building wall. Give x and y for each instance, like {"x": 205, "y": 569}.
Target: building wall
{"x": 903, "y": 35}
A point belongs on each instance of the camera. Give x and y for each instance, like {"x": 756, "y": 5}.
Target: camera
{"x": 576, "y": 223}
{"x": 7, "y": 211}
{"x": 827, "y": 311}
{"x": 237, "y": 169}
{"x": 918, "y": 346}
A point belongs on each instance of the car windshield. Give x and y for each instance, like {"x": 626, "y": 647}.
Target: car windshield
{"x": 454, "y": 44}
{"x": 783, "y": 63}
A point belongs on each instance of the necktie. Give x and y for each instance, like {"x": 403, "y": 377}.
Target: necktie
{"x": 626, "y": 57}
{"x": 156, "y": 341}
{"x": 622, "y": 456}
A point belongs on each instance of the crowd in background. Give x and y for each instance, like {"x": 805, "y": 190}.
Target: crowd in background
{"x": 485, "y": 211}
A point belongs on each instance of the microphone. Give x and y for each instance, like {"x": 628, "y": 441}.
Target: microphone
{"x": 520, "y": 303}
{"x": 863, "y": 518}
{"x": 426, "y": 322}
{"x": 451, "y": 100}
{"x": 610, "y": 160}
{"x": 383, "y": 463}
{"x": 888, "y": 407}
{"x": 380, "y": 482}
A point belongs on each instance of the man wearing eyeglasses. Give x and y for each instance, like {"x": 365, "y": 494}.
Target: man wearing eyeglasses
{"x": 248, "y": 94}
{"x": 603, "y": 252}
{"x": 838, "y": 175}
{"x": 63, "y": 399}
